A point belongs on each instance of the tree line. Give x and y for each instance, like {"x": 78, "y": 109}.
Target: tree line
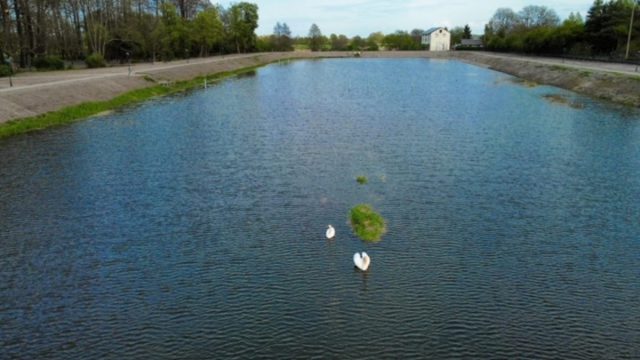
{"x": 33, "y": 31}
{"x": 538, "y": 30}
{"x": 316, "y": 41}
{"x": 43, "y": 33}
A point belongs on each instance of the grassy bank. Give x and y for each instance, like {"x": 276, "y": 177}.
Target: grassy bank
{"x": 80, "y": 112}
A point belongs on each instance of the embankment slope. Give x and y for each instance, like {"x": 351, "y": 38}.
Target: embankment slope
{"x": 37, "y": 99}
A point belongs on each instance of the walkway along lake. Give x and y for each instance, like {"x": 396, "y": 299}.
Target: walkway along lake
{"x": 193, "y": 226}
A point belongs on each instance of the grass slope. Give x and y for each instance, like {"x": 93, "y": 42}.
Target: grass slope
{"x": 80, "y": 112}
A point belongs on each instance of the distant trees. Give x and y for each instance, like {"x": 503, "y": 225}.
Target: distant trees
{"x": 207, "y": 30}
{"x": 316, "y": 40}
{"x": 457, "y": 34}
{"x": 339, "y": 42}
{"x": 282, "y": 40}
{"x": 537, "y": 29}
{"x": 358, "y": 43}
{"x": 466, "y": 32}
{"x": 607, "y": 26}
{"x": 416, "y": 35}
{"x": 401, "y": 40}
{"x": 534, "y": 16}
{"x": 243, "y": 21}
{"x": 146, "y": 29}
{"x": 374, "y": 41}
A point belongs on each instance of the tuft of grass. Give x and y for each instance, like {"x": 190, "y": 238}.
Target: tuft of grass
{"x": 524, "y": 82}
{"x": 367, "y": 223}
{"x": 559, "y": 68}
{"x": 562, "y": 100}
{"x": 362, "y": 180}
{"x": 80, "y": 112}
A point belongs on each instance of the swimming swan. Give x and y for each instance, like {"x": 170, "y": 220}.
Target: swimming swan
{"x": 361, "y": 261}
{"x": 331, "y": 232}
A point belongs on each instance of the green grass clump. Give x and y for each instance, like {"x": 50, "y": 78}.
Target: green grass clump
{"x": 367, "y": 223}
{"x": 49, "y": 62}
{"x": 95, "y": 60}
{"x": 362, "y": 180}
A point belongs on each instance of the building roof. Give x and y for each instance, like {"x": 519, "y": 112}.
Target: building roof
{"x": 471, "y": 42}
{"x": 433, "y": 29}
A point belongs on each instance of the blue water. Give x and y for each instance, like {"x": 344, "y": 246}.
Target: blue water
{"x": 193, "y": 226}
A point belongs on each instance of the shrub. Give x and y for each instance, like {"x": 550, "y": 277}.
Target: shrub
{"x": 362, "y": 179}
{"x": 49, "y": 62}
{"x": 5, "y": 70}
{"x": 367, "y": 223}
{"x": 95, "y": 60}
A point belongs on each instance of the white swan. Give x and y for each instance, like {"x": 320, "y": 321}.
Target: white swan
{"x": 361, "y": 261}
{"x": 331, "y": 232}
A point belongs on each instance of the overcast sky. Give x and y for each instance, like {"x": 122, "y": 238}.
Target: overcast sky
{"x": 362, "y": 17}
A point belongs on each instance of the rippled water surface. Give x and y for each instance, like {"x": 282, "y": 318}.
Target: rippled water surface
{"x": 193, "y": 226}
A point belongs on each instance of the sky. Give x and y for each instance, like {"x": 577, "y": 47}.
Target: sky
{"x": 362, "y": 17}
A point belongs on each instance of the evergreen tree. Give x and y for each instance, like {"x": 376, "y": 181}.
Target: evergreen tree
{"x": 466, "y": 34}
{"x": 281, "y": 37}
{"x": 316, "y": 40}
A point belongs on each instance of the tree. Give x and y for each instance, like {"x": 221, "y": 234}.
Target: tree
{"x": 31, "y": 29}
{"x": 357, "y": 43}
{"x": 281, "y": 38}
{"x": 416, "y": 35}
{"x": 374, "y": 41}
{"x": 503, "y": 21}
{"x": 533, "y": 16}
{"x": 466, "y": 32}
{"x": 457, "y": 34}
{"x": 174, "y": 37}
{"x": 207, "y": 30}
{"x": 243, "y": 21}
{"x": 316, "y": 40}
{"x": 400, "y": 40}
{"x": 339, "y": 42}
{"x": 606, "y": 27}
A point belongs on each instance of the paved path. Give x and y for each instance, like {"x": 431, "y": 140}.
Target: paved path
{"x": 627, "y": 69}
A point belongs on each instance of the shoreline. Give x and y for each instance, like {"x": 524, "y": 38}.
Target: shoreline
{"x": 41, "y": 105}
{"x": 609, "y": 85}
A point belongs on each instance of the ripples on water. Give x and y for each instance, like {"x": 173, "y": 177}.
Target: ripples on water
{"x": 193, "y": 226}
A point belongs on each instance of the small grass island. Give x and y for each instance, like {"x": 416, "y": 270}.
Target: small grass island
{"x": 362, "y": 179}
{"x": 367, "y": 223}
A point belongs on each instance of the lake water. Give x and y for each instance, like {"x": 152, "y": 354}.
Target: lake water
{"x": 193, "y": 226}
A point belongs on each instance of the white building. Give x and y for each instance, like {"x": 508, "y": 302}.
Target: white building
{"x": 438, "y": 39}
